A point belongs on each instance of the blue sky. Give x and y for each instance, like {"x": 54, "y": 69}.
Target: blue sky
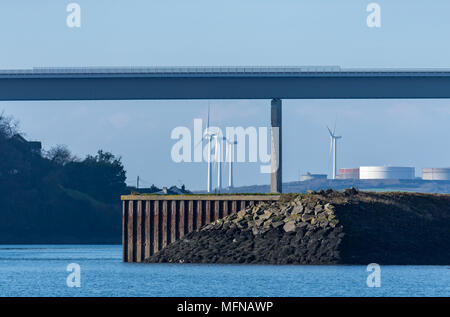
{"x": 233, "y": 32}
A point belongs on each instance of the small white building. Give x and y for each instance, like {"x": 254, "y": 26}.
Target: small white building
{"x": 308, "y": 177}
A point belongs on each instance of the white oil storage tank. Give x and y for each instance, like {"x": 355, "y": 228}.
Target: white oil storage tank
{"x": 386, "y": 172}
{"x": 436, "y": 174}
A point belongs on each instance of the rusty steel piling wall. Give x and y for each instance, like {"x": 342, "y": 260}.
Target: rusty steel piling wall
{"x": 151, "y": 222}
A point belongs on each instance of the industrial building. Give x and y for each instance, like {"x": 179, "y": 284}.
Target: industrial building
{"x": 348, "y": 173}
{"x": 436, "y": 174}
{"x": 386, "y": 172}
{"x": 308, "y": 177}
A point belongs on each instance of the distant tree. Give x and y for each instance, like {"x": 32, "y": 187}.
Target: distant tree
{"x": 60, "y": 154}
{"x": 55, "y": 197}
{"x": 8, "y": 126}
{"x": 154, "y": 189}
{"x": 102, "y": 176}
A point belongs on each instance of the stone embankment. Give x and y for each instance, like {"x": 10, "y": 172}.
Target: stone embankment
{"x": 325, "y": 227}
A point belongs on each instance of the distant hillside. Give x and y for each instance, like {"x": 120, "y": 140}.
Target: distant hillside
{"x": 416, "y": 185}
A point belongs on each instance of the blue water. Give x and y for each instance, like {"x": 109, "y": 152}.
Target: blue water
{"x": 41, "y": 271}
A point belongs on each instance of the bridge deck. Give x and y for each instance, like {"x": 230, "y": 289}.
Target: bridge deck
{"x": 128, "y": 83}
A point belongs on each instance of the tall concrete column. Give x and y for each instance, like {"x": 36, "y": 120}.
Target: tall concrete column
{"x": 275, "y": 147}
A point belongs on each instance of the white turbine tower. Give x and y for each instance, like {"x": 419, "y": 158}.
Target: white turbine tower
{"x": 333, "y": 147}
{"x": 218, "y": 153}
{"x": 230, "y": 156}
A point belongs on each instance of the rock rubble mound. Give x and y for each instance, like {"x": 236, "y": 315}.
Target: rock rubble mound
{"x": 325, "y": 227}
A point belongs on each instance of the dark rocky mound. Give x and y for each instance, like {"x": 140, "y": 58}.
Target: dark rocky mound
{"x": 325, "y": 227}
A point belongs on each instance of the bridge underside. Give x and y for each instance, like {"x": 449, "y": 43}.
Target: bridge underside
{"x": 165, "y": 88}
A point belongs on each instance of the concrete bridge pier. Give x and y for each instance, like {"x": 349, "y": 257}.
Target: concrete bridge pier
{"x": 275, "y": 147}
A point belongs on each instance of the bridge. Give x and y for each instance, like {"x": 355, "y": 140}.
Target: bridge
{"x": 275, "y": 83}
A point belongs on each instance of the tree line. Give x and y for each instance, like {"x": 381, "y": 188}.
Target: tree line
{"x": 55, "y": 197}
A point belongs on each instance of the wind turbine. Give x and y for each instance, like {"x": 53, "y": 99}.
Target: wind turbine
{"x": 218, "y": 158}
{"x": 218, "y": 147}
{"x": 208, "y": 136}
{"x": 333, "y": 147}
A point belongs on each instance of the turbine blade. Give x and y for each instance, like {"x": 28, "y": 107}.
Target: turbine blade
{"x": 331, "y": 133}
{"x": 198, "y": 143}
